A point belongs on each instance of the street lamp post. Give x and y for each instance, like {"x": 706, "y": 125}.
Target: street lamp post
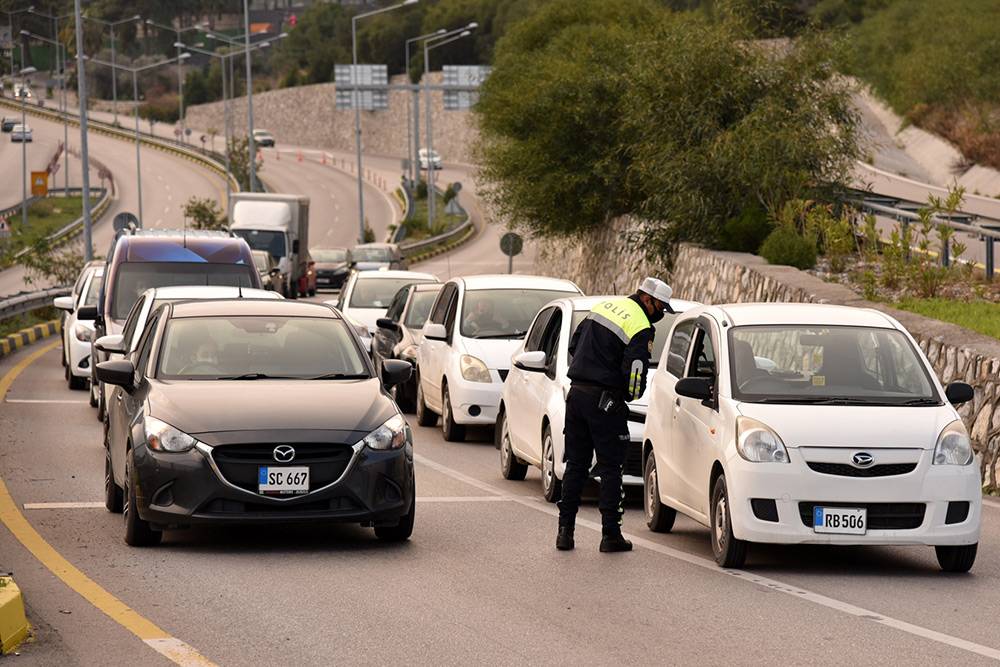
{"x": 135, "y": 98}
{"x": 413, "y": 135}
{"x": 10, "y": 28}
{"x": 65, "y": 112}
{"x": 356, "y": 99}
{"x": 429, "y": 45}
{"x": 23, "y": 94}
{"x": 114, "y": 61}
{"x": 81, "y": 87}
{"x": 180, "y": 68}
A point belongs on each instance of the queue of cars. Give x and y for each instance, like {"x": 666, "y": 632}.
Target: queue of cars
{"x": 767, "y": 423}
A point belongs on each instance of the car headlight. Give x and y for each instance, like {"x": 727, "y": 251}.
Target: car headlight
{"x": 756, "y": 442}
{"x": 163, "y": 437}
{"x": 473, "y": 369}
{"x": 953, "y": 446}
{"x": 82, "y": 332}
{"x": 391, "y": 435}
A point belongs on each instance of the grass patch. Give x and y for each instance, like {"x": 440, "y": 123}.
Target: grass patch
{"x": 416, "y": 226}
{"x": 981, "y": 316}
{"x": 15, "y": 324}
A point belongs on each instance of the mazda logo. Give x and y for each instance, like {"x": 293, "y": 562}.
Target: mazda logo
{"x": 284, "y": 454}
{"x": 861, "y": 459}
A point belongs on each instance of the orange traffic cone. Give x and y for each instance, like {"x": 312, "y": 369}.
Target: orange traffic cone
{"x": 300, "y": 156}
{"x": 322, "y": 158}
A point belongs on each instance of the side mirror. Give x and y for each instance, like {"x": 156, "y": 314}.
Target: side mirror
{"x": 111, "y": 344}
{"x": 435, "y": 331}
{"x": 531, "y": 361}
{"x": 63, "y": 303}
{"x": 386, "y": 323}
{"x": 84, "y": 312}
{"x": 395, "y": 372}
{"x": 697, "y": 388}
{"x": 120, "y": 373}
{"x": 959, "y": 392}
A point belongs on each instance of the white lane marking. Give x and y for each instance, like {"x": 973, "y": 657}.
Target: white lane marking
{"x": 175, "y": 650}
{"x": 461, "y": 499}
{"x": 63, "y": 506}
{"x": 991, "y": 503}
{"x": 166, "y": 211}
{"x": 170, "y": 197}
{"x": 159, "y": 221}
{"x": 43, "y": 400}
{"x": 710, "y": 565}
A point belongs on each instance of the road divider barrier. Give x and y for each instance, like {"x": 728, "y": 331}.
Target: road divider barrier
{"x": 15, "y": 341}
{"x": 13, "y": 622}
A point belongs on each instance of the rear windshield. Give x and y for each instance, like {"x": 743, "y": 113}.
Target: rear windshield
{"x": 272, "y": 242}
{"x": 93, "y": 291}
{"x": 330, "y": 255}
{"x": 371, "y": 255}
{"x": 420, "y": 308}
{"x": 134, "y": 278}
{"x": 661, "y": 329}
{"x": 378, "y": 292}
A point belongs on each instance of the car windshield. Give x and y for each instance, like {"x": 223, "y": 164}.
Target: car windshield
{"x": 272, "y": 242}
{"x": 330, "y": 255}
{"x": 420, "y": 308}
{"x": 134, "y": 278}
{"x": 827, "y": 365}
{"x": 661, "y": 329}
{"x": 377, "y": 292}
{"x": 371, "y": 255}
{"x": 503, "y": 313}
{"x": 251, "y": 348}
{"x": 260, "y": 260}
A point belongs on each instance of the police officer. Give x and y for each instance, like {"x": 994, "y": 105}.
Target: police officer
{"x": 610, "y": 351}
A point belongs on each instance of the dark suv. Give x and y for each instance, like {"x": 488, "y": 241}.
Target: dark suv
{"x": 144, "y": 259}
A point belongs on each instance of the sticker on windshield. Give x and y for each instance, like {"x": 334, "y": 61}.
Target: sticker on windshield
{"x": 819, "y": 380}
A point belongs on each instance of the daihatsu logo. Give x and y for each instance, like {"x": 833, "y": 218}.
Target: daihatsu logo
{"x": 863, "y": 459}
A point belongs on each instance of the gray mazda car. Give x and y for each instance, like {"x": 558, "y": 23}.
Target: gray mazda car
{"x": 261, "y": 411}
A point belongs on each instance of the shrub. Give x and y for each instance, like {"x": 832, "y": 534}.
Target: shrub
{"x": 421, "y": 189}
{"x": 747, "y": 231}
{"x": 204, "y": 214}
{"x": 42, "y": 208}
{"x": 786, "y": 246}
{"x": 449, "y": 193}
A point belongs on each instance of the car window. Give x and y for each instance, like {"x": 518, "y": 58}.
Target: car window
{"x": 378, "y": 292}
{"x": 272, "y": 242}
{"x": 533, "y": 342}
{"x": 503, "y": 313}
{"x": 128, "y": 333}
{"x": 677, "y": 352}
{"x": 395, "y": 310}
{"x": 371, "y": 255}
{"x": 442, "y": 303}
{"x": 702, "y": 362}
{"x": 93, "y": 290}
{"x": 550, "y": 341}
{"x": 449, "y": 318}
{"x": 134, "y": 278}
{"x": 420, "y": 308}
{"x": 145, "y": 347}
{"x": 329, "y": 255}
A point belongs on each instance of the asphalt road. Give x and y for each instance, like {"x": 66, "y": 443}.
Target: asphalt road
{"x": 479, "y": 583}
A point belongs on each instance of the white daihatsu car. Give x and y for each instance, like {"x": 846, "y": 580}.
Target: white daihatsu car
{"x": 533, "y": 407}
{"x": 803, "y": 423}
{"x": 475, "y": 326}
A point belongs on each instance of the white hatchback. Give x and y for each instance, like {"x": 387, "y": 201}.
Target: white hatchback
{"x": 533, "y": 407}
{"x": 78, "y": 332}
{"x": 475, "y": 326}
{"x": 366, "y": 295}
{"x": 803, "y": 423}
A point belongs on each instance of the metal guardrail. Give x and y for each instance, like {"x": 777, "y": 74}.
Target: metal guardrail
{"x": 25, "y": 302}
{"x": 423, "y": 244}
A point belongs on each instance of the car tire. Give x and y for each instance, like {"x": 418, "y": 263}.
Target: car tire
{"x": 957, "y": 558}
{"x": 75, "y": 383}
{"x": 312, "y": 292}
{"x": 138, "y": 533}
{"x": 403, "y": 395}
{"x": 113, "y": 499}
{"x": 551, "y": 485}
{"x": 659, "y": 517}
{"x": 425, "y": 416}
{"x": 93, "y": 393}
{"x": 510, "y": 467}
{"x": 102, "y": 408}
{"x": 728, "y": 551}
{"x": 453, "y": 432}
{"x": 404, "y": 529}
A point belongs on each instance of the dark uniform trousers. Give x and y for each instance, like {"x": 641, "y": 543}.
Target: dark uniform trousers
{"x": 589, "y": 430}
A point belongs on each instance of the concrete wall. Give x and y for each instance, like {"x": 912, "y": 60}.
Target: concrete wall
{"x": 305, "y": 116}
{"x": 612, "y": 260}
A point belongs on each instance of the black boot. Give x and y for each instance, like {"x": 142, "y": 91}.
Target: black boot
{"x": 564, "y": 541}
{"x": 611, "y": 543}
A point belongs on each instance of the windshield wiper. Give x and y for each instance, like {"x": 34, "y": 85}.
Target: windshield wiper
{"x": 920, "y": 401}
{"x": 258, "y": 376}
{"x": 516, "y": 334}
{"x": 341, "y": 376}
{"x": 817, "y": 400}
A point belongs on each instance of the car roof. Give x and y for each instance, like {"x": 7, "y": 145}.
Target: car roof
{"x": 517, "y": 281}
{"x": 251, "y": 308}
{"x": 588, "y": 302}
{"x": 178, "y": 247}
{"x": 185, "y": 292}
{"x": 396, "y": 275}
{"x": 376, "y": 245}
{"x": 426, "y": 287}
{"x": 749, "y": 314}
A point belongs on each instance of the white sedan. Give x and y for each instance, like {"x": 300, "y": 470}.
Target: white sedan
{"x": 20, "y": 133}
{"x": 366, "y": 295}
{"x": 78, "y": 332}
{"x": 533, "y": 407}
{"x": 844, "y": 436}
{"x": 475, "y": 326}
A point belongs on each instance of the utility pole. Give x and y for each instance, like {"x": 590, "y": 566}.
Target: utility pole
{"x": 81, "y": 86}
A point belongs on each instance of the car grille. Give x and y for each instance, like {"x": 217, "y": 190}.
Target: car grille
{"x": 222, "y": 506}
{"x": 503, "y": 374}
{"x": 239, "y": 464}
{"x": 881, "y": 516}
{"x": 633, "y": 460}
{"x": 847, "y": 470}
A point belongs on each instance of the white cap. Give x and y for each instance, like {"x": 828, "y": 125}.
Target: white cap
{"x": 657, "y": 289}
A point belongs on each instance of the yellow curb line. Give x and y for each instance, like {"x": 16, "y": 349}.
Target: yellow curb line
{"x": 13, "y": 623}
{"x": 156, "y": 638}
{"x": 27, "y": 336}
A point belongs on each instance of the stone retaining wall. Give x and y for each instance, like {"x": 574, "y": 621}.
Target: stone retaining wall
{"x": 306, "y": 116}
{"x": 609, "y": 260}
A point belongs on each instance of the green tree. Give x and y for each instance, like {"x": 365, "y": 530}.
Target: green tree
{"x": 239, "y": 161}
{"x": 205, "y": 214}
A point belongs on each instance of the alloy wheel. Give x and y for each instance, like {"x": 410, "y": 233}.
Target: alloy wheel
{"x": 719, "y": 525}
{"x": 548, "y": 464}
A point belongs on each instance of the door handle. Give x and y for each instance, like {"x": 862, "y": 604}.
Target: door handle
{"x": 677, "y": 402}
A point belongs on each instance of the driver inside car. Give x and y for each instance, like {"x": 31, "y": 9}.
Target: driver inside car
{"x": 482, "y": 317}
